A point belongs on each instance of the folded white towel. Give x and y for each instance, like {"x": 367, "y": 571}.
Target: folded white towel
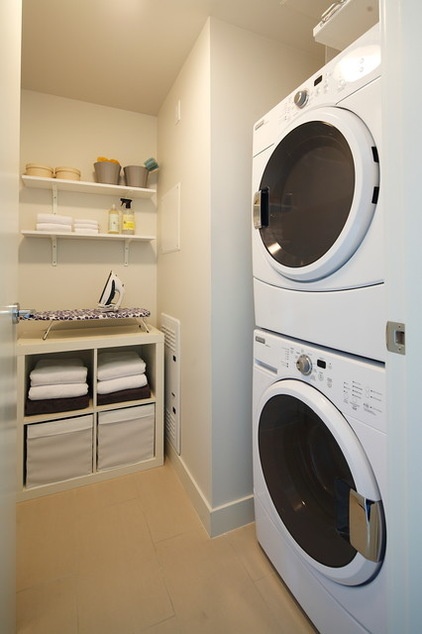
{"x": 123, "y": 383}
{"x": 86, "y": 232}
{"x": 57, "y": 371}
{"x": 55, "y": 219}
{"x": 64, "y": 390}
{"x": 87, "y": 221}
{"x": 112, "y": 365}
{"x": 54, "y": 228}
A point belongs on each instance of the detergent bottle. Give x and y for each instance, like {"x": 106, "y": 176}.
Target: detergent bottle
{"x": 128, "y": 217}
{"x": 113, "y": 220}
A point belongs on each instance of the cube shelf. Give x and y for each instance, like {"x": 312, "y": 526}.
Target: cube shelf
{"x": 121, "y": 437}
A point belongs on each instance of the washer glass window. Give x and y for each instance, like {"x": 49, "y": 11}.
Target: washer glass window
{"x": 307, "y": 477}
{"x": 309, "y": 182}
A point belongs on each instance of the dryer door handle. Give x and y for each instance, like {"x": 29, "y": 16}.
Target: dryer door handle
{"x": 366, "y": 526}
{"x": 261, "y": 208}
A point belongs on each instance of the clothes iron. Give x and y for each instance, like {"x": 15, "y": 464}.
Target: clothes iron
{"x": 114, "y": 286}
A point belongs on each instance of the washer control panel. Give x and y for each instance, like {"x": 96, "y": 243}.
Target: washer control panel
{"x": 304, "y": 364}
{"x": 301, "y": 98}
{"x": 356, "y": 386}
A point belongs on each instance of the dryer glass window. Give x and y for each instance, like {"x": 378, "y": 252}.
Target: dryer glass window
{"x": 308, "y": 479}
{"x": 309, "y": 182}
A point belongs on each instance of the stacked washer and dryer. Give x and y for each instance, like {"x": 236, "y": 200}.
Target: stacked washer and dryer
{"x": 319, "y": 423}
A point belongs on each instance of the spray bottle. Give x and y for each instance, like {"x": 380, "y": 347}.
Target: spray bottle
{"x": 128, "y": 217}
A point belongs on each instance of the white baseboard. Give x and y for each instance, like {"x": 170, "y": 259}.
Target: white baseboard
{"x": 221, "y": 519}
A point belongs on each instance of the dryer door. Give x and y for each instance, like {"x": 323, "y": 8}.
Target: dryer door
{"x": 317, "y": 194}
{"x": 320, "y": 483}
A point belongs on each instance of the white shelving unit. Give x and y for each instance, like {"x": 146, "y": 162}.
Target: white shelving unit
{"x": 86, "y": 343}
{"x": 56, "y": 185}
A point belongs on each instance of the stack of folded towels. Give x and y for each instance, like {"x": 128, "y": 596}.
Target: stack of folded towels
{"x": 57, "y": 385}
{"x": 54, "y": 223}
{"x": 86, "y": 227}
{"x": 121, "y": 377}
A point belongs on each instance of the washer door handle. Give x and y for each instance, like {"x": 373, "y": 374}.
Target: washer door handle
{"x": 261, "y": 204}
{"x": 366, "y": 526}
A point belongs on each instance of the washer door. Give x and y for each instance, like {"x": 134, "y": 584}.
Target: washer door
{"x": 318, "y": 194}
{"x": 320, "y": 483}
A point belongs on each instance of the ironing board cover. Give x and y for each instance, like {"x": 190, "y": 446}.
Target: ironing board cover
{"x": 80, "y": 314}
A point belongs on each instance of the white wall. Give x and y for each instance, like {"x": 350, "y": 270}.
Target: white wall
{"x": 57, "y": 131}
{"x": 184, "y": 276}
{"x": 249, "y": 74}
{"x": 230, "y": 79}
{"x": 402, "y": 140}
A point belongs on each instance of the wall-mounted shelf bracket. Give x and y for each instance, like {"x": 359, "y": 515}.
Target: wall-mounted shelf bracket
{"x": 126, "y": 255}
{"x": 53, "y": 250}
{"x": 55, "y": 198}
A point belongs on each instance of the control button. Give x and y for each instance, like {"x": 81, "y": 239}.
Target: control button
{"x": 301, "y": 98}
{"x": 304, "y": 364}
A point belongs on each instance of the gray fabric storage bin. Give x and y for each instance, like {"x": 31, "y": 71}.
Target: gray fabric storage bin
{"x": 58, "y": 450}
{"x": 125, "y": 436}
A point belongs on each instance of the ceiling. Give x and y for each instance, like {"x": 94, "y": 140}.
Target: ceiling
{"x": 127, "y": 53}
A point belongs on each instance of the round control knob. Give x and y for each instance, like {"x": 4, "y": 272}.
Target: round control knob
{"x": 301, "y": 98}
{"x": 304, "y": 364}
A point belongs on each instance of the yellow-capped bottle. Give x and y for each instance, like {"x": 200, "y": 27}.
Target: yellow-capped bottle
{"x": 128, "y": 217}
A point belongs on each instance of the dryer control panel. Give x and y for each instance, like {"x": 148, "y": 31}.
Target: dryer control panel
{"x": 356, "y": 386}
{"x": 356, "y": 66}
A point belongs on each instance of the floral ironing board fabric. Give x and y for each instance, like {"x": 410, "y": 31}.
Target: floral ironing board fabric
{"x": 85, "y": 314}
{"x": 78, "y": 314}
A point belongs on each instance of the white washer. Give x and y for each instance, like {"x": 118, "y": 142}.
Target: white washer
{"x": 318, "y": 229}
{"x": 319, "y": 452}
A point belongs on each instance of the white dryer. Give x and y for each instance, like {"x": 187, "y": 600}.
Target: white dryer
{"x": 317, "y": 207}
{"x": 319, "y": 455}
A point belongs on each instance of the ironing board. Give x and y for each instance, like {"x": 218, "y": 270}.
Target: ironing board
{"x": 85, "y": 314}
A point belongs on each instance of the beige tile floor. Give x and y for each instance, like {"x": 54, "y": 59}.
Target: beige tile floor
{"x": 130, "y": 555}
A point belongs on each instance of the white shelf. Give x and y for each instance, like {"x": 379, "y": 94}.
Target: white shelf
{"x": 85, "y": 187}
{"x": 56, "y": 185}
{"x": 345, "y": 21}
{"x": 71, "y": 235}
{"x": 126, "y": 239}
